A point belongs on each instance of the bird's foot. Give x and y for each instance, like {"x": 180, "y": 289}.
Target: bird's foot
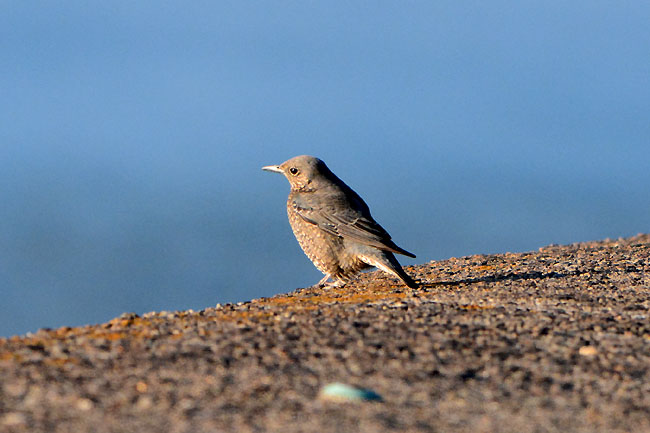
{"x": 334, "y": 284}
{"x": 324, "y": 284}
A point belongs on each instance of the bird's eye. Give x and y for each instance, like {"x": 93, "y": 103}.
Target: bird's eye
{"x": 294, "y": 171}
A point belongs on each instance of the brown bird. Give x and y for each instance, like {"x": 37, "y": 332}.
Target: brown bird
{"x": 333, "y": 224}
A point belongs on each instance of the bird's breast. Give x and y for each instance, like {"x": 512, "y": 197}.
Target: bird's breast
{"x": 322, "y": 248}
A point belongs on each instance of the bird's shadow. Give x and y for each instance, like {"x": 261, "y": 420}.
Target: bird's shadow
{"x": 495, "y": 278}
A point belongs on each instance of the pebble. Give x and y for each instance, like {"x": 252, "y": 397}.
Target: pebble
{"x": 588, "y": 351}
{"x": 84, "y": 404}
{"x": 341, "y": 392}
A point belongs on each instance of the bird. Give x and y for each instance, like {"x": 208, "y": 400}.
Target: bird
{"x": 333, "y": 225}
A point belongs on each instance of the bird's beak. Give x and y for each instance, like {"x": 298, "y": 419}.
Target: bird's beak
{"x": 273, "y": 168}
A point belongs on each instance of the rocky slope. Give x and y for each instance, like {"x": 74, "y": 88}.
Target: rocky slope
{"x": 556, "y": 340}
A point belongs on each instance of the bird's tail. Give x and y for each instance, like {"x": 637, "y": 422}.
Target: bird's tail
{"x": 410, "y": 282}
{"x": 388, "y": 263}
{"x": 391, "y": 246}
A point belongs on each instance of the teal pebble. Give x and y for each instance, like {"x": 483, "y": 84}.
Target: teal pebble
{"x": 342, "y": 392}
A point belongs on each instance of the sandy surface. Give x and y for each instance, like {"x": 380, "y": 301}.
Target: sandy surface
{"x": 556, "y": 340}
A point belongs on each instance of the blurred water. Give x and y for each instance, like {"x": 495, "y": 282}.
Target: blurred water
{"x": 133, "y": 135}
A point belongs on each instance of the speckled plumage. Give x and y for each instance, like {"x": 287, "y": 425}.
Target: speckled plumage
{"x": 333, "y": 224}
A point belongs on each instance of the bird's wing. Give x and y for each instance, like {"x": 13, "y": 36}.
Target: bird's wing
{"x": 346, "y": 220}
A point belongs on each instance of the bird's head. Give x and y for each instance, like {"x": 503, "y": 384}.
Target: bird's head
{"x": 303, "y": 172}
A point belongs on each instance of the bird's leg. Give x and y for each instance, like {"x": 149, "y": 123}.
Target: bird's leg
{"x": 322, "y": 283}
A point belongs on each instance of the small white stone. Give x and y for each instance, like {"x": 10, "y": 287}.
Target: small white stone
{"x": 84, "y": 404}
{"x": 588, "y": 351}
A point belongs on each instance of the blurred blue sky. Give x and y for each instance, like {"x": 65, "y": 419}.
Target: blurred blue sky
{"x": 132, "y": 136}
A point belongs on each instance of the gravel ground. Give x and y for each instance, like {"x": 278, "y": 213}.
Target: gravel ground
{"x": 551, "y": 341}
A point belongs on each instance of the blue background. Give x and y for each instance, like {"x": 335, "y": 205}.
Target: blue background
{"x": 132, "y": 136}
